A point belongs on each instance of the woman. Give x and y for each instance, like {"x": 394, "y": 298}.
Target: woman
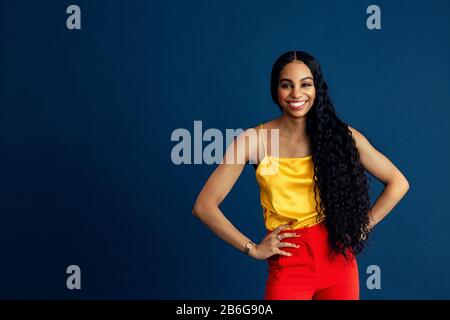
{"x": 314, "y": 194}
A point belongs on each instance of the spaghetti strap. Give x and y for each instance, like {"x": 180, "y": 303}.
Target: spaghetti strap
{"x": 264, "y": 143}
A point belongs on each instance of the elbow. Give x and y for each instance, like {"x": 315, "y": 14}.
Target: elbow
{"x": 406, "y": 185}
{"x": 398, "y": 187}
{"x": 403, "y": 186}
{"x": 202, "y": 208}
{"x": 197, "y": 209}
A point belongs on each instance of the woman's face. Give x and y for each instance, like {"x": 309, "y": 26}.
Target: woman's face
{"x": 296, "y": 91}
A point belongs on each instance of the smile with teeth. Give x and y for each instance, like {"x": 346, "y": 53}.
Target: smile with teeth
{"x": 297, "y": 104}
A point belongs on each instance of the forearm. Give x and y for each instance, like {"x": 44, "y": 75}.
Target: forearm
{"x": 213, "y": 217}
{"x": 386, "y": 201}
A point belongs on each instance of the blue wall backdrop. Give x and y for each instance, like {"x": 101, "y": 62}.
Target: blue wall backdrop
{"x": 86, "y": 118}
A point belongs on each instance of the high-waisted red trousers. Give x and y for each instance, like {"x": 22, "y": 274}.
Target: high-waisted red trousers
{"x": 310, "y": 273}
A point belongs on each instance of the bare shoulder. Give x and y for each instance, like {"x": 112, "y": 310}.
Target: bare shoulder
{"x": 360, "y": 139}
{"x": 355, "y": 133}
{"x": 246, "y": 145}
{"x": 254, "y": 140}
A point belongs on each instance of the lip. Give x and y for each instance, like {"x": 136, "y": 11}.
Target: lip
{"x": 296, "y": 101}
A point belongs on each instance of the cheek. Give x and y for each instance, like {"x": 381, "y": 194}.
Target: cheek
{"x": 312, "y": 95}
{"x": 282, "y": 94}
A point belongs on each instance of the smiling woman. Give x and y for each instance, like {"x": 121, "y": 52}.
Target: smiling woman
{"x": 317, "y": 196}
{"x": 305, "y": 97}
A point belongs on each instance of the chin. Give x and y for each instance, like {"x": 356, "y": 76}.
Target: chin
{"x": 295, "y": 114}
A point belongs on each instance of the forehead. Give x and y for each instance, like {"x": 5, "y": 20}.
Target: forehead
{"x": 295, "y": 70}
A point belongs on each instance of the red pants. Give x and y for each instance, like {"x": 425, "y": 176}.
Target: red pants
{"x": 310, "y": 273}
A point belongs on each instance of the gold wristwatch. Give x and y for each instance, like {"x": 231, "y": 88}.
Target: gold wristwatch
{"x": 248, "y": 246}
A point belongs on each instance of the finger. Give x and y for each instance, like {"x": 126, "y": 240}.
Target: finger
{"x": 284, "y": 226}
{"x": 279, "y": 229}
{"x": 283, "y": 253}
{"x": 278, "y": 237}
{"x": 283, "y": 235}
{"x": 288, "y": 244}
{"x": 289, "y": 235}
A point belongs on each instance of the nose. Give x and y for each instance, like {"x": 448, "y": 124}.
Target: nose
{"x": 296, "y": 92}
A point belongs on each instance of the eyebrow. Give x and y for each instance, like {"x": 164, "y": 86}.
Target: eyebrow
{"x": 285, "y": 79}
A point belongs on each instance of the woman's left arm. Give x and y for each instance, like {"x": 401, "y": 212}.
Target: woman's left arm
{"x": 384, "y": 170}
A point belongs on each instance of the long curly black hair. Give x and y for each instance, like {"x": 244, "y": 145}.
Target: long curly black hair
{"x": 340, "y": 179}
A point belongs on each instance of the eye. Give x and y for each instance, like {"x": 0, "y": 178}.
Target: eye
{"x": 306, "y": 85}
{"x": 285, "y": 85}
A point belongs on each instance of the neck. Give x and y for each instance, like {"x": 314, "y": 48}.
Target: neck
{"x": 293, "y": 127}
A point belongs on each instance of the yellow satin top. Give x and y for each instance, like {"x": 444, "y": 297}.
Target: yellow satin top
{"x": 286, "y": 191}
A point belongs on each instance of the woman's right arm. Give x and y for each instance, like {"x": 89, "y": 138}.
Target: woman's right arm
{"x": 217, "y": 187}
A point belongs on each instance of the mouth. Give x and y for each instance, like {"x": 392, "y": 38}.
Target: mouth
{"x": 297, "y": 105}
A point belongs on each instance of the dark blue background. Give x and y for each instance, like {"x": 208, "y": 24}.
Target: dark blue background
{"x": 86, "y": 118}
